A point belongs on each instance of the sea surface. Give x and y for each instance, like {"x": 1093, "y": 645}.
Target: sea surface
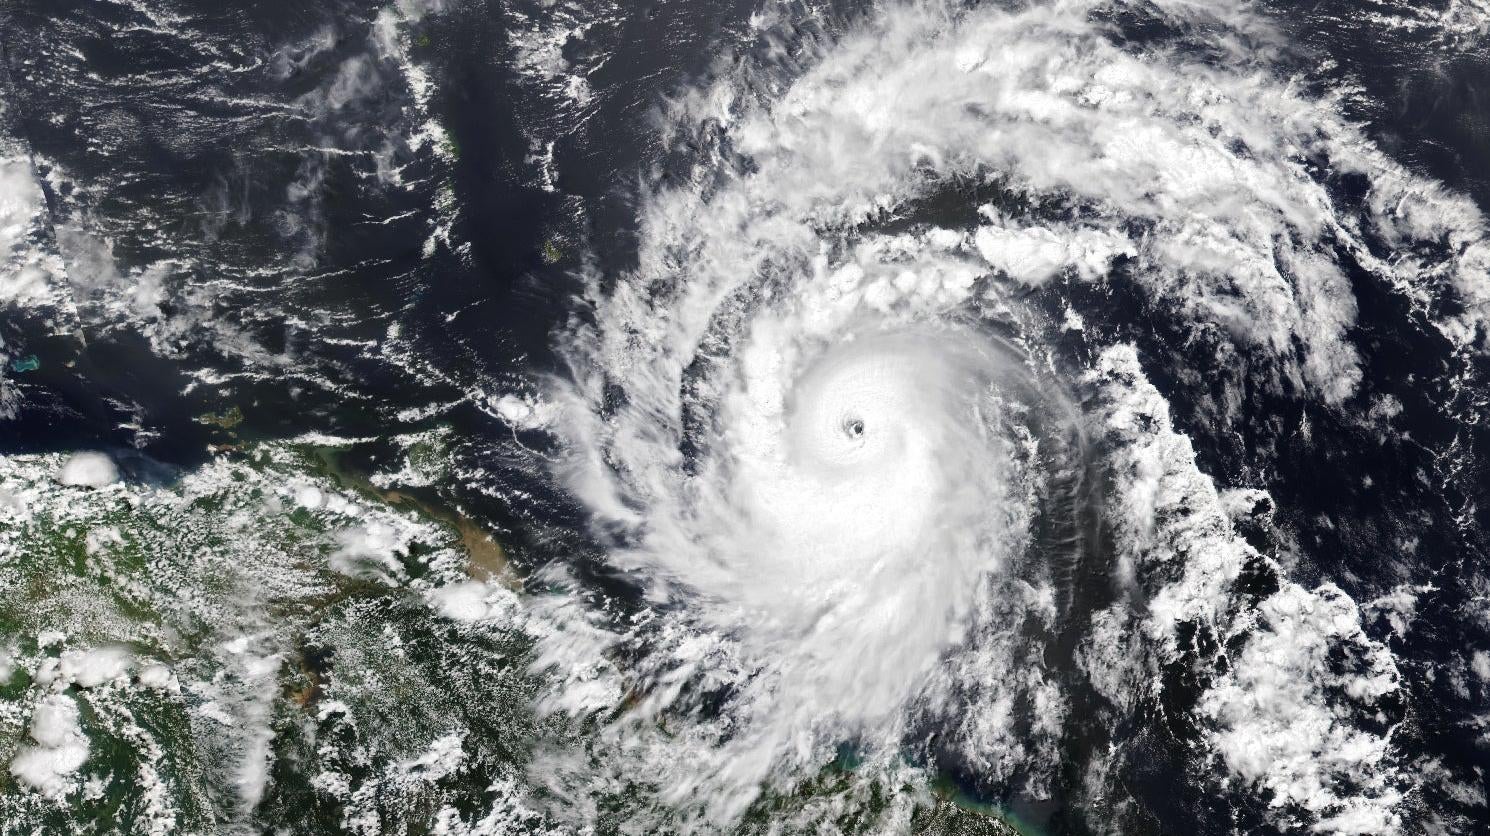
{"x": 787, "y": 417}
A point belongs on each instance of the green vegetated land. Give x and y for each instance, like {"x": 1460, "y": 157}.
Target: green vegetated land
{"x": 260, "y": 644}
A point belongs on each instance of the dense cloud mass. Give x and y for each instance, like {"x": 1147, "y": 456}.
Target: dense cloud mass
{"x": 823, "y": 425}
{"x": 799, "y": 417}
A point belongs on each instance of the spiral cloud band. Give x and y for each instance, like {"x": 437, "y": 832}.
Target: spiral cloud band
{"x": 880, "y": 486}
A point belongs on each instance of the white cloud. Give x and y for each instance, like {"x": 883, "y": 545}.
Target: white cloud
{"x": 8, "y": 666}
{"x": 1479, "y": 662}
{"x": 27, "y": 274}
{"x": 784, "y": 405}
{"x": 524, "y": 412}
{"x": 159, "y": 677}
{"x": 1279, "y": 727}
{"x": 472, "y": 601}
{"x": 309, "y": 497}
{"x": 59, "y": 749}
{"x": 444, "y": 757}
{"x": 88, "y": 469}
{"x": 1277, "y": 713}
{"x": 371, "y": 548}
{"x": 85, "y": 668}
{"x": 1035, "y": 254}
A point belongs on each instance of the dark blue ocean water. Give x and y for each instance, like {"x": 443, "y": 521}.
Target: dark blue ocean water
{"x": 189, "y": 136}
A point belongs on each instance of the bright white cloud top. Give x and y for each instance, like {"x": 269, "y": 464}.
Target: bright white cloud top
{"x": 820, "y": 437}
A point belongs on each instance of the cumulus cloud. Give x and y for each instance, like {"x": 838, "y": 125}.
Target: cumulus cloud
{"x": 472, "y": 601}
{"x": 58, "y": 748}
{"x": 1293, "y": 711}
{"x": 370, "y": 549}
{"x": 524, "y": 412}
{"x": 1279, "y": 725}
{"x": 1036, "y": 254}
{"x": 27, "y": 273}
{"x": 86, "y": 668}
{"x": 89, "y": 470}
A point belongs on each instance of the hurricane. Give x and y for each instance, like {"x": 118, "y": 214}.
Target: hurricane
{"x": 864, "y": 428}
{"x": 750, "y": 417}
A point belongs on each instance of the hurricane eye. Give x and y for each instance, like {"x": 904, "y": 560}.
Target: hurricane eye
{"x": 853, "y": 428}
